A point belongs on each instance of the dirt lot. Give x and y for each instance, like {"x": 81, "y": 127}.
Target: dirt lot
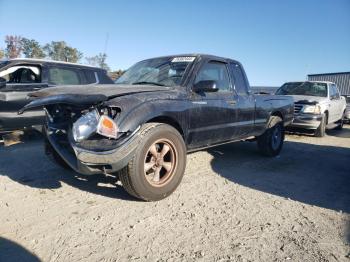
{"x": 232, "y": 205}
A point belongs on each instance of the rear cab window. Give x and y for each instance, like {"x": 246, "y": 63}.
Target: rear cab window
{"x": 64, "y": 76}
{"x": 238, "y": 78}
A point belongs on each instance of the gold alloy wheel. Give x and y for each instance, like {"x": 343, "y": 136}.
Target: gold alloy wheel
{"x": 160, "y": 162}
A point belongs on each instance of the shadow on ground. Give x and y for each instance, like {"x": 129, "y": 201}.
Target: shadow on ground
{"x": 11, "y": 251}
{"x": 27, "y": 164}
{"x": 331, "y": 131}
{"x": 311, "y": 174}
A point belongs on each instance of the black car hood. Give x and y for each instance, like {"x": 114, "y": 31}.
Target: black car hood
{"x": 86, "y": 95}
{"x": 109, "y": 91}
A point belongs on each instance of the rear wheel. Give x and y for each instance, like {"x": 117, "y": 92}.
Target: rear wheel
{"x": 158, "y": 165}
{"x": 271, "y": 142}
{"x": 321, "y": 130}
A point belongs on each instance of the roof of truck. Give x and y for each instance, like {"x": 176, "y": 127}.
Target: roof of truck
{"x": 213, "y": 57}
{"x": 36, "y": 60}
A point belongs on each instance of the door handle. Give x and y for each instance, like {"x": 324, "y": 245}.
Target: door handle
{"x": 232, "y": 102}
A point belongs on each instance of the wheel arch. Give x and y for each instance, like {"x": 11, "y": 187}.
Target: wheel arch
{"x": 277, "y": 113}
{"x": 169, "y": 121}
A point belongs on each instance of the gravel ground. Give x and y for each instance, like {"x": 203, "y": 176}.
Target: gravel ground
{"x": 232, "y": 205}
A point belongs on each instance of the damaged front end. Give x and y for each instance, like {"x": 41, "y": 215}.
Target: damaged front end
{"x": 83, "y": 132}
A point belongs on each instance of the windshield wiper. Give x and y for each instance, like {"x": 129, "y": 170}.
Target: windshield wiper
{"x": 148, "y": 83}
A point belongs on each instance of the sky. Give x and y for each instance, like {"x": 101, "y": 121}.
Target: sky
{"x": 276, "y": 41}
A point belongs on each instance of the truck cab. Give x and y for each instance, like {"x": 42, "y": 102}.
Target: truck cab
{"x": 19, "y": 77}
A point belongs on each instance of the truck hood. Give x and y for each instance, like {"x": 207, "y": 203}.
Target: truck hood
{"x": 86, "y": 95}
{"x": 312, "y": 100}
{"x": 109, "y": 91}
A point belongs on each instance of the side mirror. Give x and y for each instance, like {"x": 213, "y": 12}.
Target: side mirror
{"x": 2, "y": 82}
{"x": 205, "y": 86}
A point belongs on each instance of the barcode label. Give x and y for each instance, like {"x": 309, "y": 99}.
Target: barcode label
{"x": 183, "y": 59}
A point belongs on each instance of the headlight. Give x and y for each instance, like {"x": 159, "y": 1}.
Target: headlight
{"x": 85, "y": 126}
{"x": 92, "y": 123}
{"x": 314, "y": 109}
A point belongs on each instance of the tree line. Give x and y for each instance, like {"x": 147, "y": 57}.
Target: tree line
{"x": 18, "y": 46}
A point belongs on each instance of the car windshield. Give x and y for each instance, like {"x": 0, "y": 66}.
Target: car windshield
{"x": 165, "y": 71}
{"x": 303, "y": 88}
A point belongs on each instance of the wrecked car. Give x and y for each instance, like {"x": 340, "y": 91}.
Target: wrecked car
{"x": 21, "y": 76}
{"x": 159, "y": 110}
{"x": 317, "y": 104}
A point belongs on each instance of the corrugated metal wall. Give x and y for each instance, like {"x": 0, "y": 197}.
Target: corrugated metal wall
{"x": 341, "y": 79}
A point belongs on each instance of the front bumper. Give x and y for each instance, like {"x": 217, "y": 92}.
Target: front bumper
{"x": 307, "y": 121}
{"x": 89, "y": 162}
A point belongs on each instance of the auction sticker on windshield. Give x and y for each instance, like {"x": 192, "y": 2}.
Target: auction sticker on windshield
{"x": 183, "y": 59}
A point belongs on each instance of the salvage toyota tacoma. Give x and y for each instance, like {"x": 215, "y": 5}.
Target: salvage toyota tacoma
{"x": 142, "y": 127}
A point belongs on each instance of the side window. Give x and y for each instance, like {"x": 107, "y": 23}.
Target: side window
{"x": 333, "y": 92}
{"x": 330, "y": 91}
{"x": 239, "y": 81}
{"x": 22, "y": 74}
{"x": 90, "y": 76}
{"x": 336, "y": 92}
{"x": 217, "y": 72}
{"x": 63, "y": 76}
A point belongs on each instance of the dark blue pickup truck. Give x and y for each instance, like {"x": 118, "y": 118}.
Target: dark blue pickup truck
{"x": 158, "y": 110}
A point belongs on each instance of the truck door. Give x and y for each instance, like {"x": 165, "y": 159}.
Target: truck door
{"x": 212, "y": 114}
{"x": 338, "y": 103}
{"x": 245, "y": 101}
{"x": 333, "y": 104}
{"x": 21, "y": 79}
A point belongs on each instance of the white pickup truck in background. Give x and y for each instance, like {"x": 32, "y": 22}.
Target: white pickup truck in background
{"x": 316, "y": 105}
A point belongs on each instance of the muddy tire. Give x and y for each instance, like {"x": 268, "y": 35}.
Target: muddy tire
{"x": 158, "y": 165}
{"x": 271, "y": 142}
{"x": 321, "y": 130}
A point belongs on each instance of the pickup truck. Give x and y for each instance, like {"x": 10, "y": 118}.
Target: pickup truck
{"x": 158, "y": 110}
{"x": 21, "y": 76}
{"x": 317, "y": 104}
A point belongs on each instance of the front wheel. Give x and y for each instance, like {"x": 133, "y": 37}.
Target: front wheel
{"x": 158, "y": 165}
{"x": 271, "y": 142}
{"x": 321, "y": 130}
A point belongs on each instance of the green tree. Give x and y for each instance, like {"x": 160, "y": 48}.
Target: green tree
{"x": 32, "y": 49}
{"x": 2, "y": 53}
{"x": 98, "y": 60}
{"x": 59, "y": 50}
{"x": 13, "y": 46}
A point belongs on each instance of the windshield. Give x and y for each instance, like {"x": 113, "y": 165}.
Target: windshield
{"x": 165, "y": 71}
{"x": 303, "y": 88}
